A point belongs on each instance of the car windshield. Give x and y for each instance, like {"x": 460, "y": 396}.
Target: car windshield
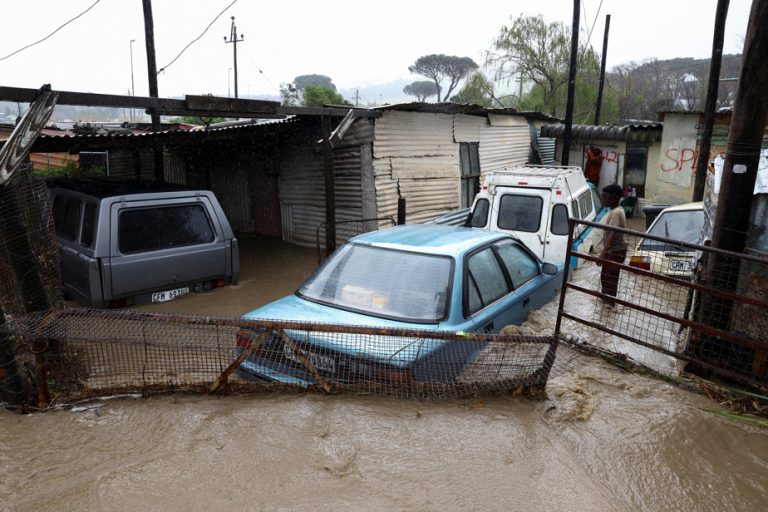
{"x": 384, "y": 282}
{"x": 682, "y": 225}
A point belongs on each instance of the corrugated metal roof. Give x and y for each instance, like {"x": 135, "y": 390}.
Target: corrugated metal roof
{"x": 628, "y": 132}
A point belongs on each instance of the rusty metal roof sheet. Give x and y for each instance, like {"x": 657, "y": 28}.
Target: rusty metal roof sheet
{"x": 639, "y": 132}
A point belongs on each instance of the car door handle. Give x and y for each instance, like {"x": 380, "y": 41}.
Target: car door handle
{"x": 526, "y": 301}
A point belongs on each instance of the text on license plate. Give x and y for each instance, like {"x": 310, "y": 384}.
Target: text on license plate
{"x": 322, "y": 363}
{"x": 681, "y": 265}
{"x": 169, "y": 294}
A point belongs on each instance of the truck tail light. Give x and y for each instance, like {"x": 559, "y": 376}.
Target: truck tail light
{"x": 641, "y": 262}
{"x": 217, "y": 283}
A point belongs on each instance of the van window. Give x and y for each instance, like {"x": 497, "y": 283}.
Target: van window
{"x": 66, "y": 211}
{"x": 520, "y": 266}
{"x": 520, "y": 213}
{"x": 596, "y": 199}
{"x": 478, "y": 217}
{"x": 585, "y": 204}
{"x": 470, "y": 171}
{"x": 89, "y": 225}
{"x": 149, "y": 229}
{"x": 575, "y": 209}
{"x": 559, "y": 225}
{"x": 485, "y": 281}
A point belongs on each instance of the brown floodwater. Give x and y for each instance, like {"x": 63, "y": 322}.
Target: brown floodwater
{"x": 605, "y": 440}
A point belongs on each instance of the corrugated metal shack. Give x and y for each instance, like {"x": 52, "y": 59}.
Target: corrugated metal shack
{"x": 269, "y": 174}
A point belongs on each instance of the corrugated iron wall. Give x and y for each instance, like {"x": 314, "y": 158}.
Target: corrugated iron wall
{"x": 416, "y": 156}
{"x": 230, "y": 182}
{"x": 123, "y": 163}
{"x": 504, "y": 143}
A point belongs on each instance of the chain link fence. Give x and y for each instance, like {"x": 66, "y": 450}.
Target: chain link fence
{"x": 669, "y": 304}
{"x": 82, "y": 353}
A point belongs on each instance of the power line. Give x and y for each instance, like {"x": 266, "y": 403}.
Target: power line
{"x": 49, "y": 35}
{"x": 197, "y": 38}
{"x": 258, "y": 69}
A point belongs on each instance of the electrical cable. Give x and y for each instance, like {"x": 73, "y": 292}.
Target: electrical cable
{"x": 258, "y": 68}
{"x": 49, "y": 35}
{"x": 197, "y": 38}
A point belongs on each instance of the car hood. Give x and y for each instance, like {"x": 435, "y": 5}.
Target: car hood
{"x": 392, "y": 349}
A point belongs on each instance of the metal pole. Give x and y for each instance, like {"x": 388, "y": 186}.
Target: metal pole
{"x": 330, "y": 190}
{"x": 709, "y": 110}
{"x": 400, "y": 211}
{"x": 229, "y": 83}
{"x": 599, "y": 103}
{"x": 133, "y": 88}
{"x": 571, "y": 82}
{"x": 233, "y": 38}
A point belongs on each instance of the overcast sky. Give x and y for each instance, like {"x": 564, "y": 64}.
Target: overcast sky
{"x": 356, "y": 43}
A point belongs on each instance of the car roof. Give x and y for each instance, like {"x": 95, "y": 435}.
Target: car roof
{"x": 683, "y": 207}
{"x": 105, "y": 187}
{"x": 429, "y": 238}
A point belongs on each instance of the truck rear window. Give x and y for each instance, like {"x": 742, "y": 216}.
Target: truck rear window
{"x": 520, "y": 213}
{"x": 151, "y": 229}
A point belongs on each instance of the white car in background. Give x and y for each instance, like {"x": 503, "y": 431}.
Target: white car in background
{"x": 682, "y": 223}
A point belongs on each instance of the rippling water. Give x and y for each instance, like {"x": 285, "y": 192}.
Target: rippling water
{"x": 640, "y": 445}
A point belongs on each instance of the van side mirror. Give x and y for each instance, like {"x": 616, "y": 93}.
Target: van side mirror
{"x": 549, "y": 269}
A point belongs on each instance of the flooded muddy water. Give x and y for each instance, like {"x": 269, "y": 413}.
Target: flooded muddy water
{"x": 605, "y": 440}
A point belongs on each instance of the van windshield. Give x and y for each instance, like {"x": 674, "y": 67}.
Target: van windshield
{"x": 520, "y": 213}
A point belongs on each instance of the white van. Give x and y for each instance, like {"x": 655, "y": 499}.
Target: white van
{"x": 534, "y": 203}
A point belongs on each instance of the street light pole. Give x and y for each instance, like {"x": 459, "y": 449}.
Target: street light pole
{"x": 229, "y": 83}
{"x": 233, "y": 39}
{"x": 133, "y": 89}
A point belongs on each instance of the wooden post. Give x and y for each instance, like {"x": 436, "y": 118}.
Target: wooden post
{"x": 330, "y": 188}
{"x": 709, "y": 109}
{"x": 571, "y": 82}
{"x": 603, "y": 58}
{"x": 149, "y": 40}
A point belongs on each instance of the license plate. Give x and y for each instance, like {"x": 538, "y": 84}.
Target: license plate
{"x": 322, "y": 363}
{"x": 680, "y": 265}
{"x": 169, "y": 294}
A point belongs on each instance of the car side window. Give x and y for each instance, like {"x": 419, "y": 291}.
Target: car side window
{"x": 89, "y": 225}
{"x": 479, "y": 216}
{"x": 66, "y": 213}
{"x": 487, "y": 279}
{"x": 520, "y": 265}
{"x": 559, "y": 225}
{"x": 149, "y": 229}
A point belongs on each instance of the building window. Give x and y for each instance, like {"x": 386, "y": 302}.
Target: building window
{"x": 470, "y": 172}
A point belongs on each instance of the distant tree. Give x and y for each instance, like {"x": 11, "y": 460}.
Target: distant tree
{"x": 318, "y": 95}
{"x": 301, "y": 81}
{"x": 202, "y": 121}
{"x": 477, "y": 90}
{"x": 443, "y": 67}
{"x": 290, "y": 95}
{"x": 422, "y": 89}
{"x": 538, "y": 53}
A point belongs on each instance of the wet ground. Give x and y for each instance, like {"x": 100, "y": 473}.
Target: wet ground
{"x": 605, "y": 440}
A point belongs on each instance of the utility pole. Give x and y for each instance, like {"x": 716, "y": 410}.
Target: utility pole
{"x": 234, "y": 40}
{"x": 571, "y": 82}
{"x": 709, "y": 109}
{"x": 599, "y": 103}
{"x": 149, "y": 39}
{"x": 357, "y": 97}
{"x": 750, "y": 114}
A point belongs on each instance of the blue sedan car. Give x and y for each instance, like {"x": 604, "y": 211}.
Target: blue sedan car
{"x": 425, "y": 277}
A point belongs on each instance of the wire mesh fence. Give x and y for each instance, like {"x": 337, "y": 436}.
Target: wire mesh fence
{"x": 667, "y": 304}
{"x": 79, "y": 353}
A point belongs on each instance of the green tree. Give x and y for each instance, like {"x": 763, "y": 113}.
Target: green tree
{"x": 443, "y": 67}
{"x": 290, "y": 95}
{"x": 422, "y": 89}
{"x": 477, "y": 90}
{"x": 318, "y": 96}
{"x": 539, "y": 52}
{"x": 302, "y": 81}
{"x": 202, "y": 121}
